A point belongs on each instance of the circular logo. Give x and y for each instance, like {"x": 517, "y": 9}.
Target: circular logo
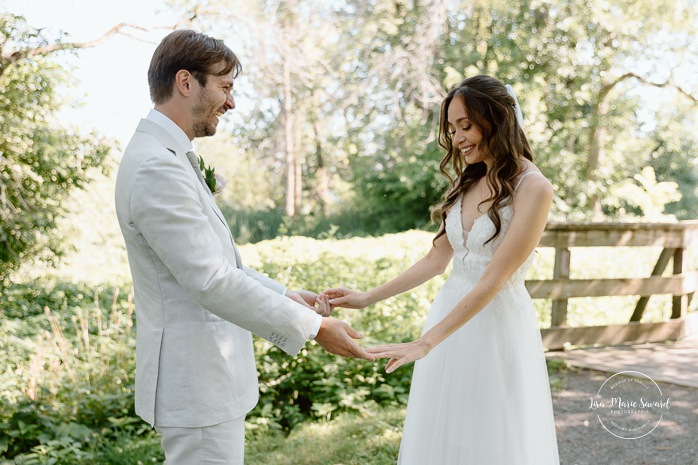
{"x": 629, "y": 405}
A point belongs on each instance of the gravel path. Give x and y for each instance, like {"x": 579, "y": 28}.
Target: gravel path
{"x": 582, "y": 439}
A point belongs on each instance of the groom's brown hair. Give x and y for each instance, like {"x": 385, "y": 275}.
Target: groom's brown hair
{"x": 191, "y": 51}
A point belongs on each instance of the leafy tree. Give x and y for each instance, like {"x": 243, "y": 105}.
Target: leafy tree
{"x": 576, "y": 66}
{"x": 346, "y": 105}
{"x": 646, "y": 196}
{"x": 286, "y": 48}
{"x": 673, "y": 156}
{"x": 40, "y": 160}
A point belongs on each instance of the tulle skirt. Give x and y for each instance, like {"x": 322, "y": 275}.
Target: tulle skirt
{"x": 482, "y": 396}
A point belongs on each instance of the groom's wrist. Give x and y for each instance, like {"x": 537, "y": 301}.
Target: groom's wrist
{"x": 316, "y": 327}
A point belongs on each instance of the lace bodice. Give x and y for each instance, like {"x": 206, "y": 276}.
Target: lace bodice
{"x": 470, "y": 253}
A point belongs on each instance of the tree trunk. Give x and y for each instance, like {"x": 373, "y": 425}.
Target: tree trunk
{"x": 288, "y": 139}
{"x": 298, "y": 168}
{"x": 322, "y": 184}
{"x": 597, "y": 136}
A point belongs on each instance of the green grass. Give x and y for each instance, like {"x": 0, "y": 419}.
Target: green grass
{"x": 557, "y": 374}
{"x": 142, "y": 449}
{"x": 347, "y": 440}
{"x": 370, "y": 439}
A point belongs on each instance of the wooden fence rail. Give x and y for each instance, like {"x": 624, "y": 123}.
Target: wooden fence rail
{"x": 674, "y": 238}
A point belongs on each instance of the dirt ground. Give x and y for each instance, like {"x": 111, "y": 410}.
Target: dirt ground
{"x": 582, "y": 439}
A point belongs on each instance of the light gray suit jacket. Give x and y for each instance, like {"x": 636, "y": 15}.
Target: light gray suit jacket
{"x": 195, "y": 302}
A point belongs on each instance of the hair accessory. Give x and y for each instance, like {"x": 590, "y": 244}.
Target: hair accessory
{"x": 517, "y": 107}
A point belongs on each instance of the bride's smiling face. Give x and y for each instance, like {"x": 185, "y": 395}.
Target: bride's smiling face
{"x": 465, "y": 136}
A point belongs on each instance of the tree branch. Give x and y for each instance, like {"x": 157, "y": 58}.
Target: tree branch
{"x": 8, "y": 59}
{"x": 668, "y": 83}
{"x": 51, "y": 48}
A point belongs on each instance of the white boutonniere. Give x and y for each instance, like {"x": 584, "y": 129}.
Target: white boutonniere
{"x": 215, "y": 182}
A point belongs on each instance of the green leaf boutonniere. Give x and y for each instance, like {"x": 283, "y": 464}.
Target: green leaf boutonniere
{"x": 215, "y": 182}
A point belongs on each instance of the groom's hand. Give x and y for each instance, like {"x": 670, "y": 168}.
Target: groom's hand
{"x": 337, "y": 337}
{"x": 310, "y": 299}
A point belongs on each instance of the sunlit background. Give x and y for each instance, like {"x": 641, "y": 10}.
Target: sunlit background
{"x": 332, "y": 166}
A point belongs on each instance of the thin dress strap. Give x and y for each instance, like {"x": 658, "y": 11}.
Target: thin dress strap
{"x": 522, "y": 178}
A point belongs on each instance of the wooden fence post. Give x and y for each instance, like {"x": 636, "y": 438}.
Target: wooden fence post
{"x": 561, "y": 269}
{"x": 679, "y": 305}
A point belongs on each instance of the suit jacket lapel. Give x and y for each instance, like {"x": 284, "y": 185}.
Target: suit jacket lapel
{"x": 221, "y": 217}
{"x": 170, "y": 144}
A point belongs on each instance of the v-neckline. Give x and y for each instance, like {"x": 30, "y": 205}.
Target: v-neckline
{"x": 460, "y": 217}
{"x": 465, "y": 234}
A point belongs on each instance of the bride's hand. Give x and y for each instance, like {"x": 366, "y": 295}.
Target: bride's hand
{"x": 323, "y": 306}
{"x": 311, "y": 300}
{"x": 400, "y": 354}
{"x": 347, "y": 298}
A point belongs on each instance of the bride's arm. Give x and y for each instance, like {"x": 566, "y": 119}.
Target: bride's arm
{"x": 432, "y": 264}
{"x": 521, "y": 239}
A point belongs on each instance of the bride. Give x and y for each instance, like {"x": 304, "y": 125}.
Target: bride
{"x": 480, "y": 393}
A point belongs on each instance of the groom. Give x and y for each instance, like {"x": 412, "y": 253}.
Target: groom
{"x": 196, "y": 304}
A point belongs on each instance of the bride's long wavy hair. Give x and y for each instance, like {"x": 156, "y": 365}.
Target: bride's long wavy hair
{"x": 489, "y": 107}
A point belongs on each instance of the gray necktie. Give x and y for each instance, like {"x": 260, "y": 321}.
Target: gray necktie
{"x": 194, "y": 160}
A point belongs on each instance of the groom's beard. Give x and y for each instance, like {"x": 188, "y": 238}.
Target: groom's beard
{"x": 204, "y": 115}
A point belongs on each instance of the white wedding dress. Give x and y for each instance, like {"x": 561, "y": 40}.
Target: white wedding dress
{"x": 482, "y": 396}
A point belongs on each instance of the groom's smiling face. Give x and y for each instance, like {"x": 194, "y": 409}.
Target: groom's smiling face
{"x": 212, "y": 101}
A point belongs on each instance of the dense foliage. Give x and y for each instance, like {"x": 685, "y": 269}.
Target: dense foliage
{"x": 605, "y": 87}
{"x": 41, "y": 161}
{"x": 347, "y": 97}
{"x": 319, "y": 385}
{"x": 68, "y": 388}
{"x": 66, "y": 394}
{"x": 68, "y": 382}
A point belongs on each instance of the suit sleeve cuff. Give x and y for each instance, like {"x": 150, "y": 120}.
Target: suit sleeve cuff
{"x": 316, "y": 327}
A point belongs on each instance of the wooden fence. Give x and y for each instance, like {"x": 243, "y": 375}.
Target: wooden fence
{"x": 675, "y": 238}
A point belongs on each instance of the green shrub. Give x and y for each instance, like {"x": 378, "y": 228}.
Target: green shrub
{"x": 66, "y": 395}
{"x": 252, "y": 226}
{"x": 318, "y": 385}
{"x": 70, "y": 384}
{"x": 68, "y": 390}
